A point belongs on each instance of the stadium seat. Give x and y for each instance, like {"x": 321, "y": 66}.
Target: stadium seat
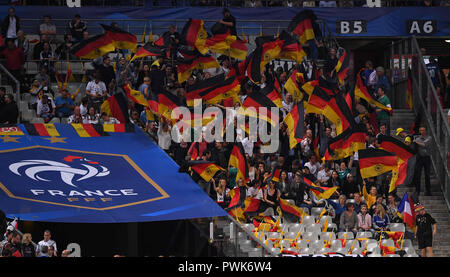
{"x": 276, "y": 251}
{"x": 37, "y": 120}
{"x": 341, "y": 250}
{"x": 76, "y": 67}
{"x": 246, "y": 245}
{"x": 393, "y": 256}
{"x": 322, "y": 250}
{"x": 350, "y": 243}
{"x": 316, "y": 244}
{"x": 26, "y": 97}
{"x": 290, "y": 201}
{"x": 302, "y": 244}
{"x": 255, "y": 252}
{"x": 363, "y": 235}
{"x": 409, "y": 250}
{"x": 316, "y": 211}
{"x": 350, "y": 235}
{"x": 286, "y": 243}
{"x": 31, "y": 67}
{"x": 307, "y": 220}
{"x": 332, "y": 227}
{"x": 374, "y": 255}
{"x": 313, "y": 228}
{"x": 290, "y": 235}
{"x": 397, "y": 227}
{"x": 268, "y": 243}
{"x": 23, "y": 105}
{"x": 357, "y": 250}
{"x": 326, "y": 236}
{"x": 28, "y": 115}
{"x": 295, "y": 228}
{"x": 310, "y": 236}
{"x": 66, "y": 120}
{"x": 293, "y": 249}
{"x": 408, "y": 243}
{"x": 55, "y": 120}
{"x": 388, "y": 242}
{"x": 306, "y": 251}
{"x": 324, "y": 218}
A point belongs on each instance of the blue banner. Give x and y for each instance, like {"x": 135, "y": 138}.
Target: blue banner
{"x": 123, "y": 177}
{"x": 363, "y": 22}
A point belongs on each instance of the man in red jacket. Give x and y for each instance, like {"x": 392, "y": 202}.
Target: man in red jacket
{"x": 15, "y": 58}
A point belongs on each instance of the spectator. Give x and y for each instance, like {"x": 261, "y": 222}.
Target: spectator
{"x": 339, "y": 208}
{"x": 435, "y": 73}
{"x": 378, "y": 201}
{"x": 36, "y": 92}
{"x": 64, "y": 105}
{"x": 39, "y": 47}
{"x": 91, "y": 117}
{"x": 96, "y": 90}
{"x": 392, "y": 210}
{"x": 23, "y": 43}
{"x": 324, "y": 174}
{"x": 47, "y": 241}
{"x": 28, "y": 249}
{"x": 345, "y": 3}
{"x": 313, "y": 165}
{"x": 47, "y": 58}
{"x": 381, "y": 80}
{"x": 84, "y": 105}
{"x": 15, "y": 58}
{"x": 344, "y": 170}
{"x": 324, "y": 137}
{"x": 76, "y": 117}
{"x": 368, "y": 70}
{"x": 382, "y": 115}
{"x": 45, "y": 108}
{"x": 221, "y": 196}
{"x": 285, "y": 185}
{"x": 425, "y": 231}
{"x": 15, "y": 246}
{"x": 309, "y": 4}
{"x": 358, "y": 202}
{"x": 2, "y": 98}
{"x": 350, "y": 187}
{"x": 63, "y": 51}
{"x": 423, "y": 160}
{"x": 9, "y": 112}
{"x": 106, "y": 70}
{"x": 43, "y": 252}
{"x": 364, "y": 220}
{"x": 334, "y": 180}
{"x": 371, "y": 197}
{"x": 42, "y": 77}
{"x": 77, "y": 27}
{"x": 348, "y": 221}
{"x": 48, "y": 28}
{"x": 228, "y": 22}
{"x": 253, "y": 4}
{"x": 10, "y": 24}
{"x": 85, "y": 35}
{"x": 272, "y": 196}
{"x": 291, "y": 3}
{"x": 164, "y": 136}
{"x": 380, "y": 219}
{"x": 327, "y": 4}
{"x": 106, "y": 119}
{"x": 51, "y": 251}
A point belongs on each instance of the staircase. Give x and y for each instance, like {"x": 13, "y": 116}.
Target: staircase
{"x": 434, "y": 204}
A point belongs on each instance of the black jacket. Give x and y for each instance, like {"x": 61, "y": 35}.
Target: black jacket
{"x": 9, "y": 113}
{"x": 5, "y": 25}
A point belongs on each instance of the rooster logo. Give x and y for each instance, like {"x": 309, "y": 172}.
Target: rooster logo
{"x": 35, "y": 167}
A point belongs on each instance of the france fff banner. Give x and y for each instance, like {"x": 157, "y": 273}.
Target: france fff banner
{"x": 116, "y": 177}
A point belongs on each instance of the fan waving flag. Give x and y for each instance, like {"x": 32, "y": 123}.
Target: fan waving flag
{"x": 291, "y": 49}
{"x": 295, "y": 121}
{"x": 116, "y": 106}
{"x": 148, "y": 50}
{"x": 186, "y": 67}
{"x": 194, "y": 35}
{"x": 374, "y": 162}
{"x": 168, "y": 102}
{"x": 120, "y": 38}
{"x": 135, "y": 95}
{"x": 220, "y": 43}
{"x": 239, "y": 161}
{"x": 213, "y": 90}
{"x": 237, "y": 203}
{"x": 407, "y": 212}
{"x": 342, "y": 67}
{"x": 205, "y": 169}
{"x": 293, "y": 83}
{"x": 262, "y": 108}
{"x": 362, "y": 92}
{"x": 270, "y": 92}
{"x": 267, "y": 49}
{"x": 343, "y": 145}
{"x": 304, "y": 26}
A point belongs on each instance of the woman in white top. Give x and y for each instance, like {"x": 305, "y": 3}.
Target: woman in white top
{"x": 164, "y": 136}
{"x": 91, "y": 117}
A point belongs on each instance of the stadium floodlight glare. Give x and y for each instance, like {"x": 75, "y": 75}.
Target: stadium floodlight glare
{"x": 447, "y": 40}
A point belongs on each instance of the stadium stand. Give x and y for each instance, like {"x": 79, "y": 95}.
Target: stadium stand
{"x": 55, "y": 84}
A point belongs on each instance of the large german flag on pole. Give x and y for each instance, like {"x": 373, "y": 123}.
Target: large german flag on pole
{"x": 220, "y": 43}
{"x": 237, "y": 203}
{"x": 167, "y": 102}
{"x": 186, "y": 67}
{"x": 267, "y": 49}
{"x": 262, "y": 105}
{"x": 362, "y": 92}
{"x": 121, "y": 39}
{"x": 93, "y": 47}
{"x": 39, "y": 129}
{"x": 374, "y": 162}
{"x": 293, "y": 85}
{"x": 148, "y": 50}
{"x": 351, "y": 140}
{"x": 292, "y": 49}
{"x": 304, "y": 26}
{"x": 342, "y": 67}
{"x": 194, "y": 35}
{"x": 319, "y": 192}
{"x": 239, "y": 161}
{"x": 270, "y": 92}
{"x": 295, "y": 121}
{"x": 291, "y": 209}
{"x": 214, "y": 90}
{"x": 403, "y": 151}
{"x": 205, "y": 169}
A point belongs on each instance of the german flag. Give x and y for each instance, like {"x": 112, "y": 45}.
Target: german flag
{"x": 167, "y": 102}
{"x": 220, "y": 43}
{"x": 291, "y": 50}
{"x": 118, "y": 128}
{"x": 7, "y": 130}
{"x": 258, "y": 101}
{"x": 403, "y": 151}
{"x": 238, "y": 49}
{"x": 342, "y": 67}
{"x": 135, "y": 95}
{"x": 213, "y": 90}
{"x": 205, "y": 169}
{"x": 293, "y": 83}
{"x": 186, "y": 67}
{"x": 373, "y": 162}
{"x": 304, "y": 26}
{"x": 195, "y": 119}
{"x": 308, "y": 87}
{"x": 291, "y": 209}
{"x": 39, "y": 129}
{"x": 409, "y": 100}
{"x": 362, "y": 92}
{"x": 120, "y": 38}
{"x": 320, "y": 192}
{"x": 252, "y": 205}
{"x": 351, "y": 140}
{"x": 274, "y": 176}
{"x": 194, "y": 35}
{"x": 295, "y": 121}
{"x": 196, "y": 150}
{"x": 93, "y": 47}
{"x": 270, "y": 92}
{"x": 116, "y": 106}
{"x": 237, "y": 203}
{"x": 89, "y": 130}
{"x": 267, "y": 49}
{"x": 148, "y": 50}
{"x": 239, "y": 161}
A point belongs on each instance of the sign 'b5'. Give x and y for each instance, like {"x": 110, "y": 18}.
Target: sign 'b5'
{"x": 74, "y": 3}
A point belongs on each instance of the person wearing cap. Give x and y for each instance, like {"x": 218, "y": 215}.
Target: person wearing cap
{"x": 425, "y": 231}
{"x": 400, "y": 132}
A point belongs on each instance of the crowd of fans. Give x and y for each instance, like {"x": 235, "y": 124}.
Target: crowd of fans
{"x": 112, "y": 71}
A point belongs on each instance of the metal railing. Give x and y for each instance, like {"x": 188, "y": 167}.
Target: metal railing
{"x": 426, "y": 103}
{"x": 17, "y": 97}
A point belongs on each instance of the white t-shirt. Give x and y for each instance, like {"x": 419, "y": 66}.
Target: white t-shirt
{"x": 313, "y": 168}
{"x": 96, "y": 89}
{"x": 247, "y": 144}
{"x": 258, "y": 191}
{"x": 164, "y": 138}
{"x": 322, "y": 176}
{"x": 220, "y": 197}
{"x": 83, "y": 110}
{"x": 45, "y": 243}
{"x": 12, "y": 32}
